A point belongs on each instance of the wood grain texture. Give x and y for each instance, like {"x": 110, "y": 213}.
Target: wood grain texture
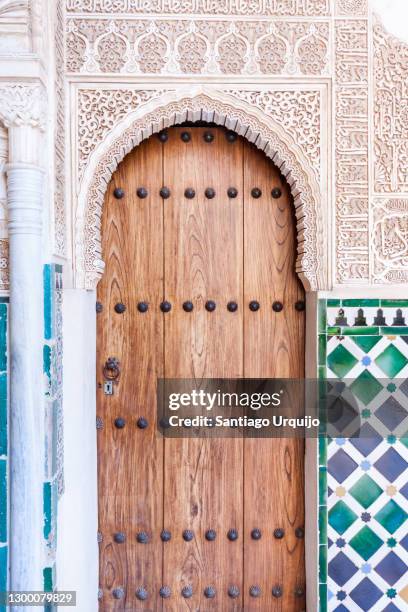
{"x": 179, "y": 249}
{"x": 130, "y": 459}
{"x": 273, "y": 347}
{"x": 203, "y": 255}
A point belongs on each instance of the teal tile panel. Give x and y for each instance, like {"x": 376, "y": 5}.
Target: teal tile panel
{"x": 322, "y": 451}
{"x": 322, "y": 487}
{"x": 48, "y": 302}
{"x": 394, "y": 303}
{"x": 3, "y": 500}
{"x": 331, "y": 303}
{"x": 360, "y": 331}
{"x": 322, "y": 342}
{"x": 48, "y": 574}
{"x": 322, "y": 525}
{"x": 3, "y": 414}
{"x": 323, "y": 598}
{"x": 3, "y": 572}
{"x": 47, "y": 501}
{"x": 360, "y": 303}
{"x": 322, "y": 316}
{"x": 323, "y": 563}
{"x": 3, "y": 337}
{"x": 394, "y": 331}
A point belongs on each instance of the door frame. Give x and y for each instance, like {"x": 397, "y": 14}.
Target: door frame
{"x": 280, "y": 145}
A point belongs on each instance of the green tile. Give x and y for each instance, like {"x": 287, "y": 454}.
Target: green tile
{"x": 322, "y": 372}
{"x": 359, "y": 331}
{"x": 322, "y": 451}
{"x": 3, "y": 500}
{"x": 334, "y": 331}
{"x": 323, "y": 563}
{"x": 333, "y": 303}
{"x": 322, "y": 341}
{"x": 391, "y": 361}
{"x": 360, "y": 303}
{"x": 322, "y": 316}
{"x": 48, "y": 574}
{"x": 47, "y": 502}
{"x": 366, "y": 491}
{"x": 391, "y": 517}
{"x": 394, "y": 303}
{"x": 341, "y": 361}
{"x": 394, "y": 331}
{"x": 341, "y": 517}
{"x": 323, "y": 525}
{"x": 366, "y": 387}
{"x": 366, "y": 343}
{"x": 3, "y": 337}
{"x": 365, "y": 543}
{"x": 3, "y": 569}
{"x": 322, "y": 597}
{"x": 322, "y": 487}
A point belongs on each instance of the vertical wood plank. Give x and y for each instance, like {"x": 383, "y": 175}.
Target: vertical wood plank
{"x": 203, "y": 260}
{"x": 130, "y": 459}
{"x": 273, "y": 347}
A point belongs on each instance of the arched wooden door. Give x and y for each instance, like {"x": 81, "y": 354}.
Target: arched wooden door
{"x": 178, "y": 246}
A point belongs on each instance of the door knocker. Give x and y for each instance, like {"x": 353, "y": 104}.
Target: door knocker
{"x": 111, "y": 370}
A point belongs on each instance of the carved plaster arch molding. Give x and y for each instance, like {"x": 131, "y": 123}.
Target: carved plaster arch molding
{"x": 201, "y": 103}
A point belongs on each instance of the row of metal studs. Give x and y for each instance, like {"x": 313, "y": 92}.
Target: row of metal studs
{"x": 210, "y": 306}
{"x": 190, "y": 193}
{"x": 207, "y": 136}
{"x": 209, "y": 592}
{"x": 210, "y": 535}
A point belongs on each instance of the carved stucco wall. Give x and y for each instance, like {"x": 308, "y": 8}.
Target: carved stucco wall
{"x": 326, "y": 70}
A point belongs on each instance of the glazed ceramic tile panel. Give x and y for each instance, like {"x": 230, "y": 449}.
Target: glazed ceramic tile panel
{"x": 364, "y": 482}
{"x": 52, "y": 368}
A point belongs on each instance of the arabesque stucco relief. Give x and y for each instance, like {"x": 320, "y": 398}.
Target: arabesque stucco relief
{"x": 303, "y": 42}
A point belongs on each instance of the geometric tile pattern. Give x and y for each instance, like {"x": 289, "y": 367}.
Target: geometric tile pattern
{"x": 363, "y": 512}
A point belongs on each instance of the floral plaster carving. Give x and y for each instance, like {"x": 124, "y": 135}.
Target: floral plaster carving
{"x": 197, "y": 47}
{"x": 22, "y": 105}
{"x": 221, "y": 108}
{"x": 99, "y": 110}
{"x": 390, "y": 112}
{"x": 390, "y": 240}
{"x": 296, "y": 110}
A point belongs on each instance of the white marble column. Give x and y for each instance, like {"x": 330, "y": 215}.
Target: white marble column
{"x": 25, "y": 178}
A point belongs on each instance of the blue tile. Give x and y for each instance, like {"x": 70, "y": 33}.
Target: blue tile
{"x": 391, "y": 568}
{"x": 341, "y": 465}
{"x": 369, "y": 440}
{"x": 365, "y": 594}
{"x": 391, "y": 464}
{"x": 341, "y": 608}
{"x": 391, "y": 608}
{"x": 391, "y": 413}
{"x": 404, "y": 542}
{"x": 404, "y": 490}
{"x": 341, "y": 569}
{"x": 3, "y": 568}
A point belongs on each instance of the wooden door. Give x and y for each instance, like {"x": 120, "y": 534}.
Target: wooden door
{"x": 162, "y": 501}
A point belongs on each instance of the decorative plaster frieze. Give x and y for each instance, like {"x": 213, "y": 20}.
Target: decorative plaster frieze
{"x": 390, "y": 240}
{"x": 390, "y": 112}
{"x": 312, "y": 8}
{"x": 197, "y": 46}
{"x": 22, "y": 105}
{"x": 351, "y": 151}
{"x": 60, "y": 229}
{"x": 226, "y": 109}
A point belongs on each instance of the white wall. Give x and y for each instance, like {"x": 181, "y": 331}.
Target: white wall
{"x": 77, "y": 555}
{"x": 394, "y": 14}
